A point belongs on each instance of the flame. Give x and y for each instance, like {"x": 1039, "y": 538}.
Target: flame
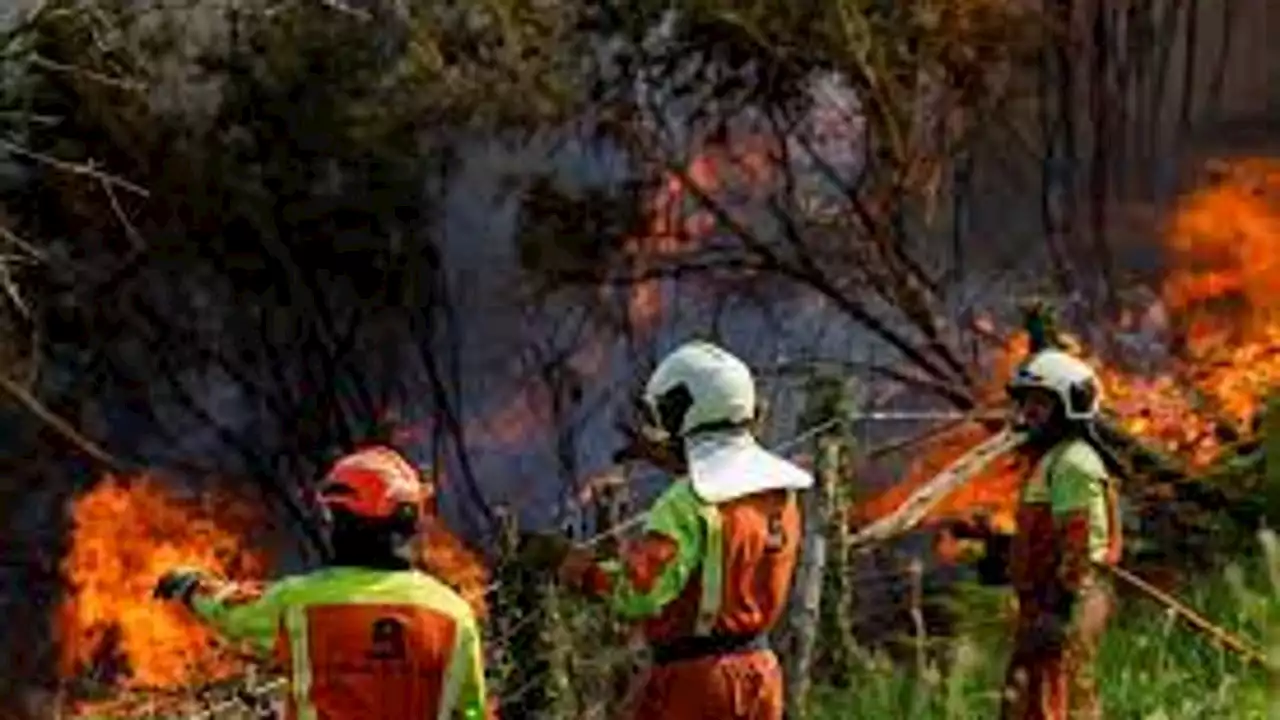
{"x": 1222, "y": 290}
{"x": 444, "y": 555}
{"x": 1223, "y": 240}
{"x": 126, "y": 532}
{"x": 679, "y": 222}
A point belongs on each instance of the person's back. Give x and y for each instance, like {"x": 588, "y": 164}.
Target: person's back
{"x": 743, "y": 581}
{"x": 763, "y": 541}
{"x": 367, "y": 637}
{"x": 710, "y": 644}
{"x": 711, "y": 574}
{"x": 361, "y": 643}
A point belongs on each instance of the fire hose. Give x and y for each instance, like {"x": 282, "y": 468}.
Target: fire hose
{"x": 787, "y": 445}
{"x": 913, "y": 511}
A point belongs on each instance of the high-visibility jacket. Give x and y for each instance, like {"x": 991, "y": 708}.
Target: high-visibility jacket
{"x": 1068, "y": 521}
{"x": 360, "y": 643}
{"x": 702, "y": 568}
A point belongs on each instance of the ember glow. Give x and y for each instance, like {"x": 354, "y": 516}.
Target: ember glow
{"x": 126, "y": 533}
{"x": 679, "y": 222}
{"x": 1222, "y": 290}
{"x": 448, "y": 558}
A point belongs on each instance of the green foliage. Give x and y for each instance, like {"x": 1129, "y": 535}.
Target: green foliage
{"x": 248, "y": 197}
{"x": 1150, "y": 665}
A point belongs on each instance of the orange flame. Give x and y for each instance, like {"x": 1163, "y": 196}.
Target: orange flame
{"x": 675, "y": 229}
{"x": 1224, "y": 289}
{"x": 126, "y": 533}
{"x": 1224, "y": 240}
{"x": 447, "y": 557}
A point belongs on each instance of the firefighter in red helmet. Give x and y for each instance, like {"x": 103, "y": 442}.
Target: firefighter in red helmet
{"x": 366, "y": 636}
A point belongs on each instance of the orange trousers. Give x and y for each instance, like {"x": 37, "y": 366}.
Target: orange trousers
{"x": 746, "y": 686}
{"x": 1057, "y": 682}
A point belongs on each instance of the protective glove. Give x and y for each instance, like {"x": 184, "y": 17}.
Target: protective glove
{"x": 178, "y": 584}
{"x": 573, "y": 569}
{"x": 976, "y": 526}
{"x": 542, "y": 551}
{"x": 644, "y": 444}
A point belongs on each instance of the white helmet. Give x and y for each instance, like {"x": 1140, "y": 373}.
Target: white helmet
{"x": 1070, "y": 379}
{"x": 720, "y": 388}
{"x": 706, "y": 388}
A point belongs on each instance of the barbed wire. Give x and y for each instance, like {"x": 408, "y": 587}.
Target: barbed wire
{"x": 786, "y": 445}
{"x": 872, "y": 579}
{"x": 868, "y": 582}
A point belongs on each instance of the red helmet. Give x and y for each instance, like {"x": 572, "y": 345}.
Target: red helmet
{"x": 375, "y": 483}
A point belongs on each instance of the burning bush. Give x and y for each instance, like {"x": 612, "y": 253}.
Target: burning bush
{"x": 1222, "y": 290}
{"x": 125, "y": 533}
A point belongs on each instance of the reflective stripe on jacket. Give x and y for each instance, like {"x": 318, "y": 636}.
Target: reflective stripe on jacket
{"x": 360, "y": 643}
{"x": 702, "y": 568}
{"x": 1068, "y": 519}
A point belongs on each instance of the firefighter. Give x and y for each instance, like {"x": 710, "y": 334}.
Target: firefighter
{"x": 367, "y": 636}
{"x": 712, "y": 571}
{"x": 1067, "y": 532}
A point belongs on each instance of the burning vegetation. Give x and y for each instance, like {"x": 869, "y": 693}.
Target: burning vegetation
{"x": 126, "y": 532}
{"x": 177, "y": 238}
{"x": 1221, "y": 294}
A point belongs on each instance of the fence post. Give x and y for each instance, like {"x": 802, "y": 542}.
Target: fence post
{"x": 824, "y": 401}
{"x": 835, "y": 450}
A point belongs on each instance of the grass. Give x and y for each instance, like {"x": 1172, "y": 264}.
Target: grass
{"x": 1151, "y": 666}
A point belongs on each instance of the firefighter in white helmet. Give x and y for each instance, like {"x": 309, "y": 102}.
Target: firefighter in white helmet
{"x": 1067, "y": 525}
{"x": 712, "y": 572}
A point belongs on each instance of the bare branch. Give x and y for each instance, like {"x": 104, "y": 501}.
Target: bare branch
{"x": 83, "y": 169}
{"x": 130, "y": 85}
{"x": 62, "y": 427}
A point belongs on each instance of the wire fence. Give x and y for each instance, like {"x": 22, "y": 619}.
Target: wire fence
{"x": 891, "y": 586}
{"x": 869, "y": 581}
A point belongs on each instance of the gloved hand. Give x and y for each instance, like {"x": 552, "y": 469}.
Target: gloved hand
{"x": 543, "y": 551}
{"x": 975, "y": 526}
{"x": 573, "y": 570}
{"x": 644, "y": 444}
{"x": 177, "y": 584}
{"x": 1048, "y": 633}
